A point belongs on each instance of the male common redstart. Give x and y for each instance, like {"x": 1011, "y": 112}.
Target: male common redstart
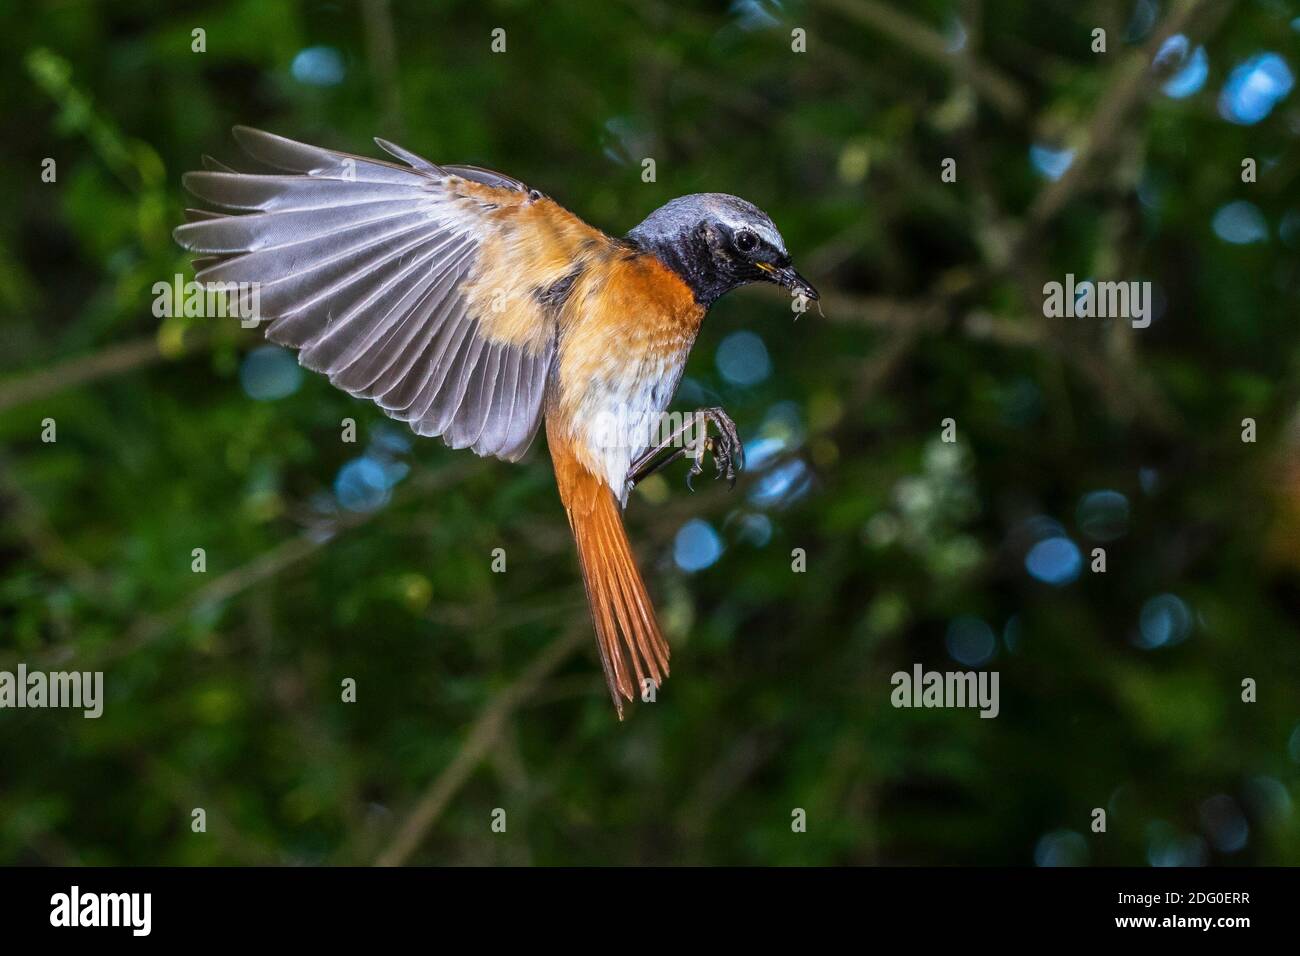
{"x": 470, "y": 306}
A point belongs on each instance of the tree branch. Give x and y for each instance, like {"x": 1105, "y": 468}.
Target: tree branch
{"x": 482, "y": 736}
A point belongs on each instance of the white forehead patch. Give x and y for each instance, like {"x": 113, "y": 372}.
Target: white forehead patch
{"x": 673, "y": 220}
{"x": 739, "y": 218}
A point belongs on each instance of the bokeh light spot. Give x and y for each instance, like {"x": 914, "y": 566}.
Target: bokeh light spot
{"x": 269, "y": 372}
{"x": 783, "y": 485}
{"x": 742, "y": 359}
{"x": 1191, "y": 69}
{"x": 971, "y": 641}
{"x": 696, "y": 546}
{"x": 1051, "y": 163}
{"x": 1254, "y": 87}
{"x": 1054, "y": 560}
{"x": 1061, "y": 848}
{"x": 362, "y": 485}
{"x": 1167, "y": 847}
{"x": 318, "y": 66}
{"x": 1103, "y": 515}
{"x": 1240, "y": 223}
{"x": 1225, "y": 823}
{"x": 954, "y": 36}
{"x": 1165, "y": 620}
{"x": 1269, "y": 799}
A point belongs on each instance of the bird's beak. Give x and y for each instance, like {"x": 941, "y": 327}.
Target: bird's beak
{"x": 791, "y": 280}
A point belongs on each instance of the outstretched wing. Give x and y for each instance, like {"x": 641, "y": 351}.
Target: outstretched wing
{"x": 430, "y": 290}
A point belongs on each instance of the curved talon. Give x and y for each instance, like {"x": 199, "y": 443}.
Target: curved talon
{"x": 728, "y": 453}
{"x": 695, "y": 469}
{"x": 725, "y": 447}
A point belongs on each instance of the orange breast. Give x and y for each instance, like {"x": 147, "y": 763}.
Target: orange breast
{"x": 624, "y": 337}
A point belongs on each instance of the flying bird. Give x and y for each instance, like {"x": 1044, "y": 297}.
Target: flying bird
{"x": 473, "y": 307}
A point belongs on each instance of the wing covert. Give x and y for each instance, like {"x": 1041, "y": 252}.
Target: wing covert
{"x": 420, "y": 287}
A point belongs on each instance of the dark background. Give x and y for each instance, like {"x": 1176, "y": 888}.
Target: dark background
{"x": 1120, "y": 690}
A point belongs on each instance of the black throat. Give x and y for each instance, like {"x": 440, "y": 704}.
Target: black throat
{"x": 691, "y": 258}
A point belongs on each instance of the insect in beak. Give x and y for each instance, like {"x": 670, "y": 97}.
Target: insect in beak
{"x": 790, "y": 279}
{"x": 796, "y": 283}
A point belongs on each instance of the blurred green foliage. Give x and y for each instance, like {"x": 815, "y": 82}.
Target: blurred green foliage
{"x": 223, "y": 689}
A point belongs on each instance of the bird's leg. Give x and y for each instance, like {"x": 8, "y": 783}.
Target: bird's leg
{"x": 728, "y": 453}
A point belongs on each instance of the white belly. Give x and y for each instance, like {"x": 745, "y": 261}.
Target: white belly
{"x": 620, "y": 414}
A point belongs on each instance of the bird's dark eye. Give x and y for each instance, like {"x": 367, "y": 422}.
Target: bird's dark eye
{"x": 746, "y": 241}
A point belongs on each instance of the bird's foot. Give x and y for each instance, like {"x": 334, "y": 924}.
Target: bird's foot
{"x": 692, "y": 440}
{"x": 728, "y": 453}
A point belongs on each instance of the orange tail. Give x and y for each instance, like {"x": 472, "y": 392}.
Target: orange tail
{"x": 627, "y": 633}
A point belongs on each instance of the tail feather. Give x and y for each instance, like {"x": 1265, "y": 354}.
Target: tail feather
{"x": 632, "y": 647}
